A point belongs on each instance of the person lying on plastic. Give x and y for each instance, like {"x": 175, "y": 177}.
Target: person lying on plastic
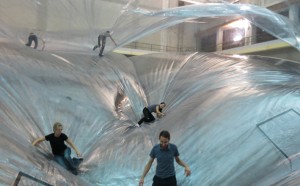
{"x": 147, "y": 111}
{"x": 61, "y": 152}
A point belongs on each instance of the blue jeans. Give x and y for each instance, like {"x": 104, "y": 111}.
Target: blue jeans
{"x": 65, "y": 160}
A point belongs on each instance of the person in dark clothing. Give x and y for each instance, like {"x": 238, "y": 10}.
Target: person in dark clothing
{"x": 147, "y": 111}
{"x": 61, "y": 152}
{"x": 165, "y": 153}
{"x": 102, "y": 41}
{"x": 32, "y": 37}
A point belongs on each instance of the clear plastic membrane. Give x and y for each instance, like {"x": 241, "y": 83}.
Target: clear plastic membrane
{"x": 233, "y": 118}
{"x": 143, "y": 22}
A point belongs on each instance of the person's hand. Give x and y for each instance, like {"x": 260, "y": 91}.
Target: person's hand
{"x": 159, "y": 115}
{"x": 187, "y": 171}
{"x": 78, "y": 154}
{"x": 141, "y": 183}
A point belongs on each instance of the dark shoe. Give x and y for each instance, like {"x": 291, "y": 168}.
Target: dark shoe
{"x": 74, "y": 171}
{"x": 78, "y": 158}
{"x": 94, "y": 47}
{"x": 100, "y": 55}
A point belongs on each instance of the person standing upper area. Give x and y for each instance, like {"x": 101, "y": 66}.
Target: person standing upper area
{"x": 102, "y": 41}
{"x": 32, "y": 38}
{"x": 164, "y": 153}
{"x": 147, "y": 111}
{"x": 61, "y": 152}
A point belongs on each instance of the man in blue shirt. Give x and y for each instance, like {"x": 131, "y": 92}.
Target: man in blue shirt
{"x": 147, "y": 111}
{"x": 164, "y": 153}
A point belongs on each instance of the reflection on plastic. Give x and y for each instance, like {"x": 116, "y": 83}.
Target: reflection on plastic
{"x": 214, "y": 102}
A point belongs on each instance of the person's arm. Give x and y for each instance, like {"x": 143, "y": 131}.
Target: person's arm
{"x": 113, "y": 40}
{"x": 159, "y": 114}
{"x": 146, "y": 170}
{"x": 38, "y": 140}
{"x": 99, "y": 38}
{"x": 73, "y": 146}
{"x": 186, "y": 167}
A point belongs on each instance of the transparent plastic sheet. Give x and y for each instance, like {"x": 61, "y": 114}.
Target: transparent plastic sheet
{"x": 69, "y": 25}
{"x": 139, "y": 22}
{"x": 61, "y": 28}
{"x": 214, "y": 105}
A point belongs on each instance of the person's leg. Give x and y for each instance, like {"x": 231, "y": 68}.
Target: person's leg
{"x": 149, "y": 117}
{"x": 152, "y": 118}
{"x": 171, "y": 181}
{"x": 145, "y": 112}
{"x": 69, "y": 160}
{"x": 29, "y": 42}
{"x": 141, "y": 121}
{"x": 61, "y": 160}
{"x": 35, "y": 39}
{"x": 156, "y": 181}
{"x": 102, "y": 47}
{"x": 77, "y": 161}
{"x": 95, "y": 47}
{"x": 67, "y": 156}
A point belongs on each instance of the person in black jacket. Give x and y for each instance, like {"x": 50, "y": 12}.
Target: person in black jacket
{"x": 34, "y": 38}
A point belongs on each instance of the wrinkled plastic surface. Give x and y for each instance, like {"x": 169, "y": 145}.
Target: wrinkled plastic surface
{"x": 233, "y": 118}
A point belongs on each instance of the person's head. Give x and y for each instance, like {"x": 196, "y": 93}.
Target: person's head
{"x": 164, "y": 138}
{"x": 57, "y": 128}
{"x": 108, "y": 31}
{"x": 162, "y": 105}
{"x": 31, "y": 33}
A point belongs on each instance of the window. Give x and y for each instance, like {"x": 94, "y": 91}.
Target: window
{"x": 208, "y": 43}
{"x": 232, "y": 38}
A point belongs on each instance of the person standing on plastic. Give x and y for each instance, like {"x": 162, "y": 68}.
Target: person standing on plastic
{"x": 61, "y": 152}
{"x": 32, "y": 38}
{"x": 165, "y": 153}
{"x": 102, "y": 41}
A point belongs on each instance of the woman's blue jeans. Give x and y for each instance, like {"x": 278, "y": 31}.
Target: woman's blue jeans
{"x": 66, "y": 161}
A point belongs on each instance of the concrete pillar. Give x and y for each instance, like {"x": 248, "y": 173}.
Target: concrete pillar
{"x": 219, "y": 39}
{"x": 293, "y": 13}
{"x": 248, "y": 34}
{"x": 253, "y": 35}
{"x": 163, "y": 33}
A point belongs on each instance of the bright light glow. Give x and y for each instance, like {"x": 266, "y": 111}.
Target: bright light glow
{"x": 237, "y": 37}
{"x": 240, "y": 56}
{"x": 61, "y": 58}
{"x": 191, "y": 21}
{"x": 245, "y": 7}
{"x": 192, "y": 2}
{"x": 242, "y": 24}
